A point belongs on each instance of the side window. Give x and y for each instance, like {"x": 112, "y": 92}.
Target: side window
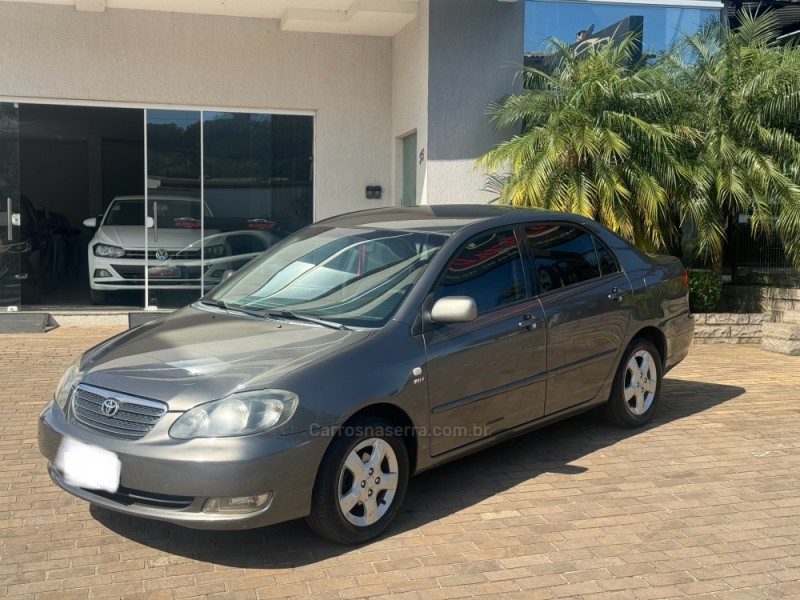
{"x": 608, "y": 264}
{"x": 564, "y": 255}
{"x": 488, "y": 269}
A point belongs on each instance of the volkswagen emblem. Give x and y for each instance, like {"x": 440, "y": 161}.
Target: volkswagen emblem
{"x": 162, "y": 254}
{"x": 110, "y": 407}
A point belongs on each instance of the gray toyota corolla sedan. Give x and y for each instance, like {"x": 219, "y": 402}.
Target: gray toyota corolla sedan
{"x": 357, "y": 352}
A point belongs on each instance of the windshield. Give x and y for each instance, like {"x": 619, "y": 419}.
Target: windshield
{"x": 352, "y": 276}
{"x": 172, "y": 213}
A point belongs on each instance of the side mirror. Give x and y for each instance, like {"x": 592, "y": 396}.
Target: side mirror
{"x": 227, "y": 274}
{"x": 90, "y": 223}
{"x": 149, "y": 223}
{"x": 454, "y": 309}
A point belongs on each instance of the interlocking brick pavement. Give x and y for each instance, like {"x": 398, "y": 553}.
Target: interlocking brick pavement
{"x": 703, "y": 502}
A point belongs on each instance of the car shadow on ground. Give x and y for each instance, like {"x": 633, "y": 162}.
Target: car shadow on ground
{"x": 432, "y": 495}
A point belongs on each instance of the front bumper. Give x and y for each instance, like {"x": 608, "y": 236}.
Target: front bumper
{"x": 129, "y": 274}
{"x": 171, "y": 480}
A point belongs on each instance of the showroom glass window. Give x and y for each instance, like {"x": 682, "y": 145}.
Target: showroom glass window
{"x": 257, "y": 182}
{"x": 488, "y": 269}
{"x": 258, "y": 170}
{"x": 250, "y": 172}
{"x": 658, "y": 26}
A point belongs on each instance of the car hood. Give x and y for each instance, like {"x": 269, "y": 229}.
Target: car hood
{"x": 194, "y": 356}
{"x": 132, "y": 238}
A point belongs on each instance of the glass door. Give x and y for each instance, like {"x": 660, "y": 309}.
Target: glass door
{"x": 257, "y": 185}
{"x": 18, "y": 252}
{"x": 174, "y": 209}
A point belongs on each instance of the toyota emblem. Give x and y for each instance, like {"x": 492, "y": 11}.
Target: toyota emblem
{"x": 162, "y": 254}
{"x": 110, "y": 407}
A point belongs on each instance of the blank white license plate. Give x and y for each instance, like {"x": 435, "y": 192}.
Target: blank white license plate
{"x": 87, "y": 466}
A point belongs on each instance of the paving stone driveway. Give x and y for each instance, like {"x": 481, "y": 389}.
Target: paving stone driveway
{"x": 703, "y": 502}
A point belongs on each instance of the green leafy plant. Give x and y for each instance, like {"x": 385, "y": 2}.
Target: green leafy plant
{"x": 705, "y": 291}
{"x": 666, "y": 149}
{"x": 591, "y": 140}
{"x": 740, "y": 91}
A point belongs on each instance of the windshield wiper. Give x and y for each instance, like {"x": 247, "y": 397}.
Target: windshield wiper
{"x": 288, "y": 314}
{"x": 263, "y": 314}
{"x": 235, "y": 308}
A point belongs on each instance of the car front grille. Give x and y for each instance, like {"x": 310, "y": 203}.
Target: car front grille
{"x": 137, "y": 272}
{"x": 115, "y": 414}
{"x": 127, "y": 497}
{"x": 172, "y": 254}
{"x": 129, "y": 271}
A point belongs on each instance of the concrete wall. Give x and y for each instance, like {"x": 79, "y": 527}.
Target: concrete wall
{"x": 410, "y": 95}
{"x": 154, "y": 58}
{"x": 476, "y": 51}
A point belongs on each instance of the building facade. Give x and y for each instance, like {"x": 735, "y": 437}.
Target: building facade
{"x": 229, "y": 123}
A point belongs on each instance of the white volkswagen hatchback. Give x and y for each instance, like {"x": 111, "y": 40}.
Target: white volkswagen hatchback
{"x": 173, "y": 245}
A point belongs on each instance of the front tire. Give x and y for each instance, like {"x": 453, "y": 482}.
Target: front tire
{"x": 361, "y": 483}
{"x": 637, "y": 386}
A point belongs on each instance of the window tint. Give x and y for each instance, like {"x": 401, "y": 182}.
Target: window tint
{"x": 488, "y": 269}
{"x": 355, "y": 276}
{"x": 608, "y": 264}
{"x": 564, "y": 255}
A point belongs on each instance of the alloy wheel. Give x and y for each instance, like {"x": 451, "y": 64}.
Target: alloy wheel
{"x": 368, "y": 482}
{"x": 641, "y": 382}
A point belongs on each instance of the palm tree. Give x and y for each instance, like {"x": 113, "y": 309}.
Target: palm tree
{"x": 592, "y": 140}
{"x": 741, "y": 92}
{"x": 707, "y": 132}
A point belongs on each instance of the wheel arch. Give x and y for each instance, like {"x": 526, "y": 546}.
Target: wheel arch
{"x": 656, "y": 337}
{"x": 397, "y": 417}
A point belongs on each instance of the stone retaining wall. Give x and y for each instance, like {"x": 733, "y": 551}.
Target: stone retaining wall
{"x": 754, "y": 299}
{"x": 729, "y": 328}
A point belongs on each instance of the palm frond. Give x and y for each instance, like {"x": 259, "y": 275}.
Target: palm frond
{"x": 708, "y": 130}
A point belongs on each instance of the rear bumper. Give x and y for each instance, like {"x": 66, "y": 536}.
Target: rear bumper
{"x": 679, "y": 332}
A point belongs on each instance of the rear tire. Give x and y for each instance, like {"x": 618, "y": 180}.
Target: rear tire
{"x": 637, "y": 386}
{"x": 361, "y": 483}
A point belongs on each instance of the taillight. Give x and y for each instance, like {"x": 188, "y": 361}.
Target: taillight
{"x": 685, "y": 278}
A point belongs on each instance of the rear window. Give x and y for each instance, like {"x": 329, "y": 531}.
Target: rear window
{"x": 564, "y": 255}
{"x": 608, "y": 263}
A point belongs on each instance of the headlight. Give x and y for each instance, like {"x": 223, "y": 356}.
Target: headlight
{"x": 108, "y": 251}
{"x": 239, "y": 414}
{"x": 70, "y": 378}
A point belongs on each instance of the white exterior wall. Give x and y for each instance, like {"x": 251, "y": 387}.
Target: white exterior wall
{"x": 155, "y": 58}
{"x": 410, "y": 96}
{"x": 476, "y": 52}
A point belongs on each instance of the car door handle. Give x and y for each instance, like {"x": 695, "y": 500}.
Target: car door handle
{"x": 530, "y": 322}
{"x": 617, "y": 294}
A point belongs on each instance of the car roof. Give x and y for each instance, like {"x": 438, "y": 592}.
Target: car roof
{"x": 436, "y": 218}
